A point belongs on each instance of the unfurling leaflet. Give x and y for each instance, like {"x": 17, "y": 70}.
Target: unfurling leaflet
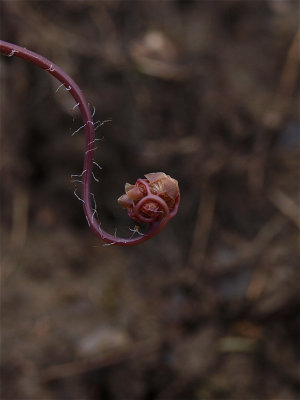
{"x": 151, "y": 199}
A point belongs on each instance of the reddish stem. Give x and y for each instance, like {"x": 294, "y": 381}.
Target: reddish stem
{"x": 10, "y": 49}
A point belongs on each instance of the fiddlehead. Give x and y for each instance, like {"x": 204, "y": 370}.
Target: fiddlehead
{"x": 153, "y": 200}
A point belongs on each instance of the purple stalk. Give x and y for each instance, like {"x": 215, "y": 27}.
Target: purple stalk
{"x": 155, "y": 224}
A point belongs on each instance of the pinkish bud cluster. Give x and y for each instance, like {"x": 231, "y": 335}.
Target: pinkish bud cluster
{"x": 152, "y": 198}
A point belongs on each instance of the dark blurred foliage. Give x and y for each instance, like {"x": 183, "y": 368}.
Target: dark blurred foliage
{"x": 208, "y": 92}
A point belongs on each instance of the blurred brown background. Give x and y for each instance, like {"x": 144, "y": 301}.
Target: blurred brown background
{"x": 206, "y": 91}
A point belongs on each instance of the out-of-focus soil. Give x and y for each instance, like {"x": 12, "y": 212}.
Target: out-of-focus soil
{"x": 208, "y": 92}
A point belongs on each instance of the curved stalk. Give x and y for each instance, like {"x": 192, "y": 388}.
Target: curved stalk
{"x": 155, "y": 225}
